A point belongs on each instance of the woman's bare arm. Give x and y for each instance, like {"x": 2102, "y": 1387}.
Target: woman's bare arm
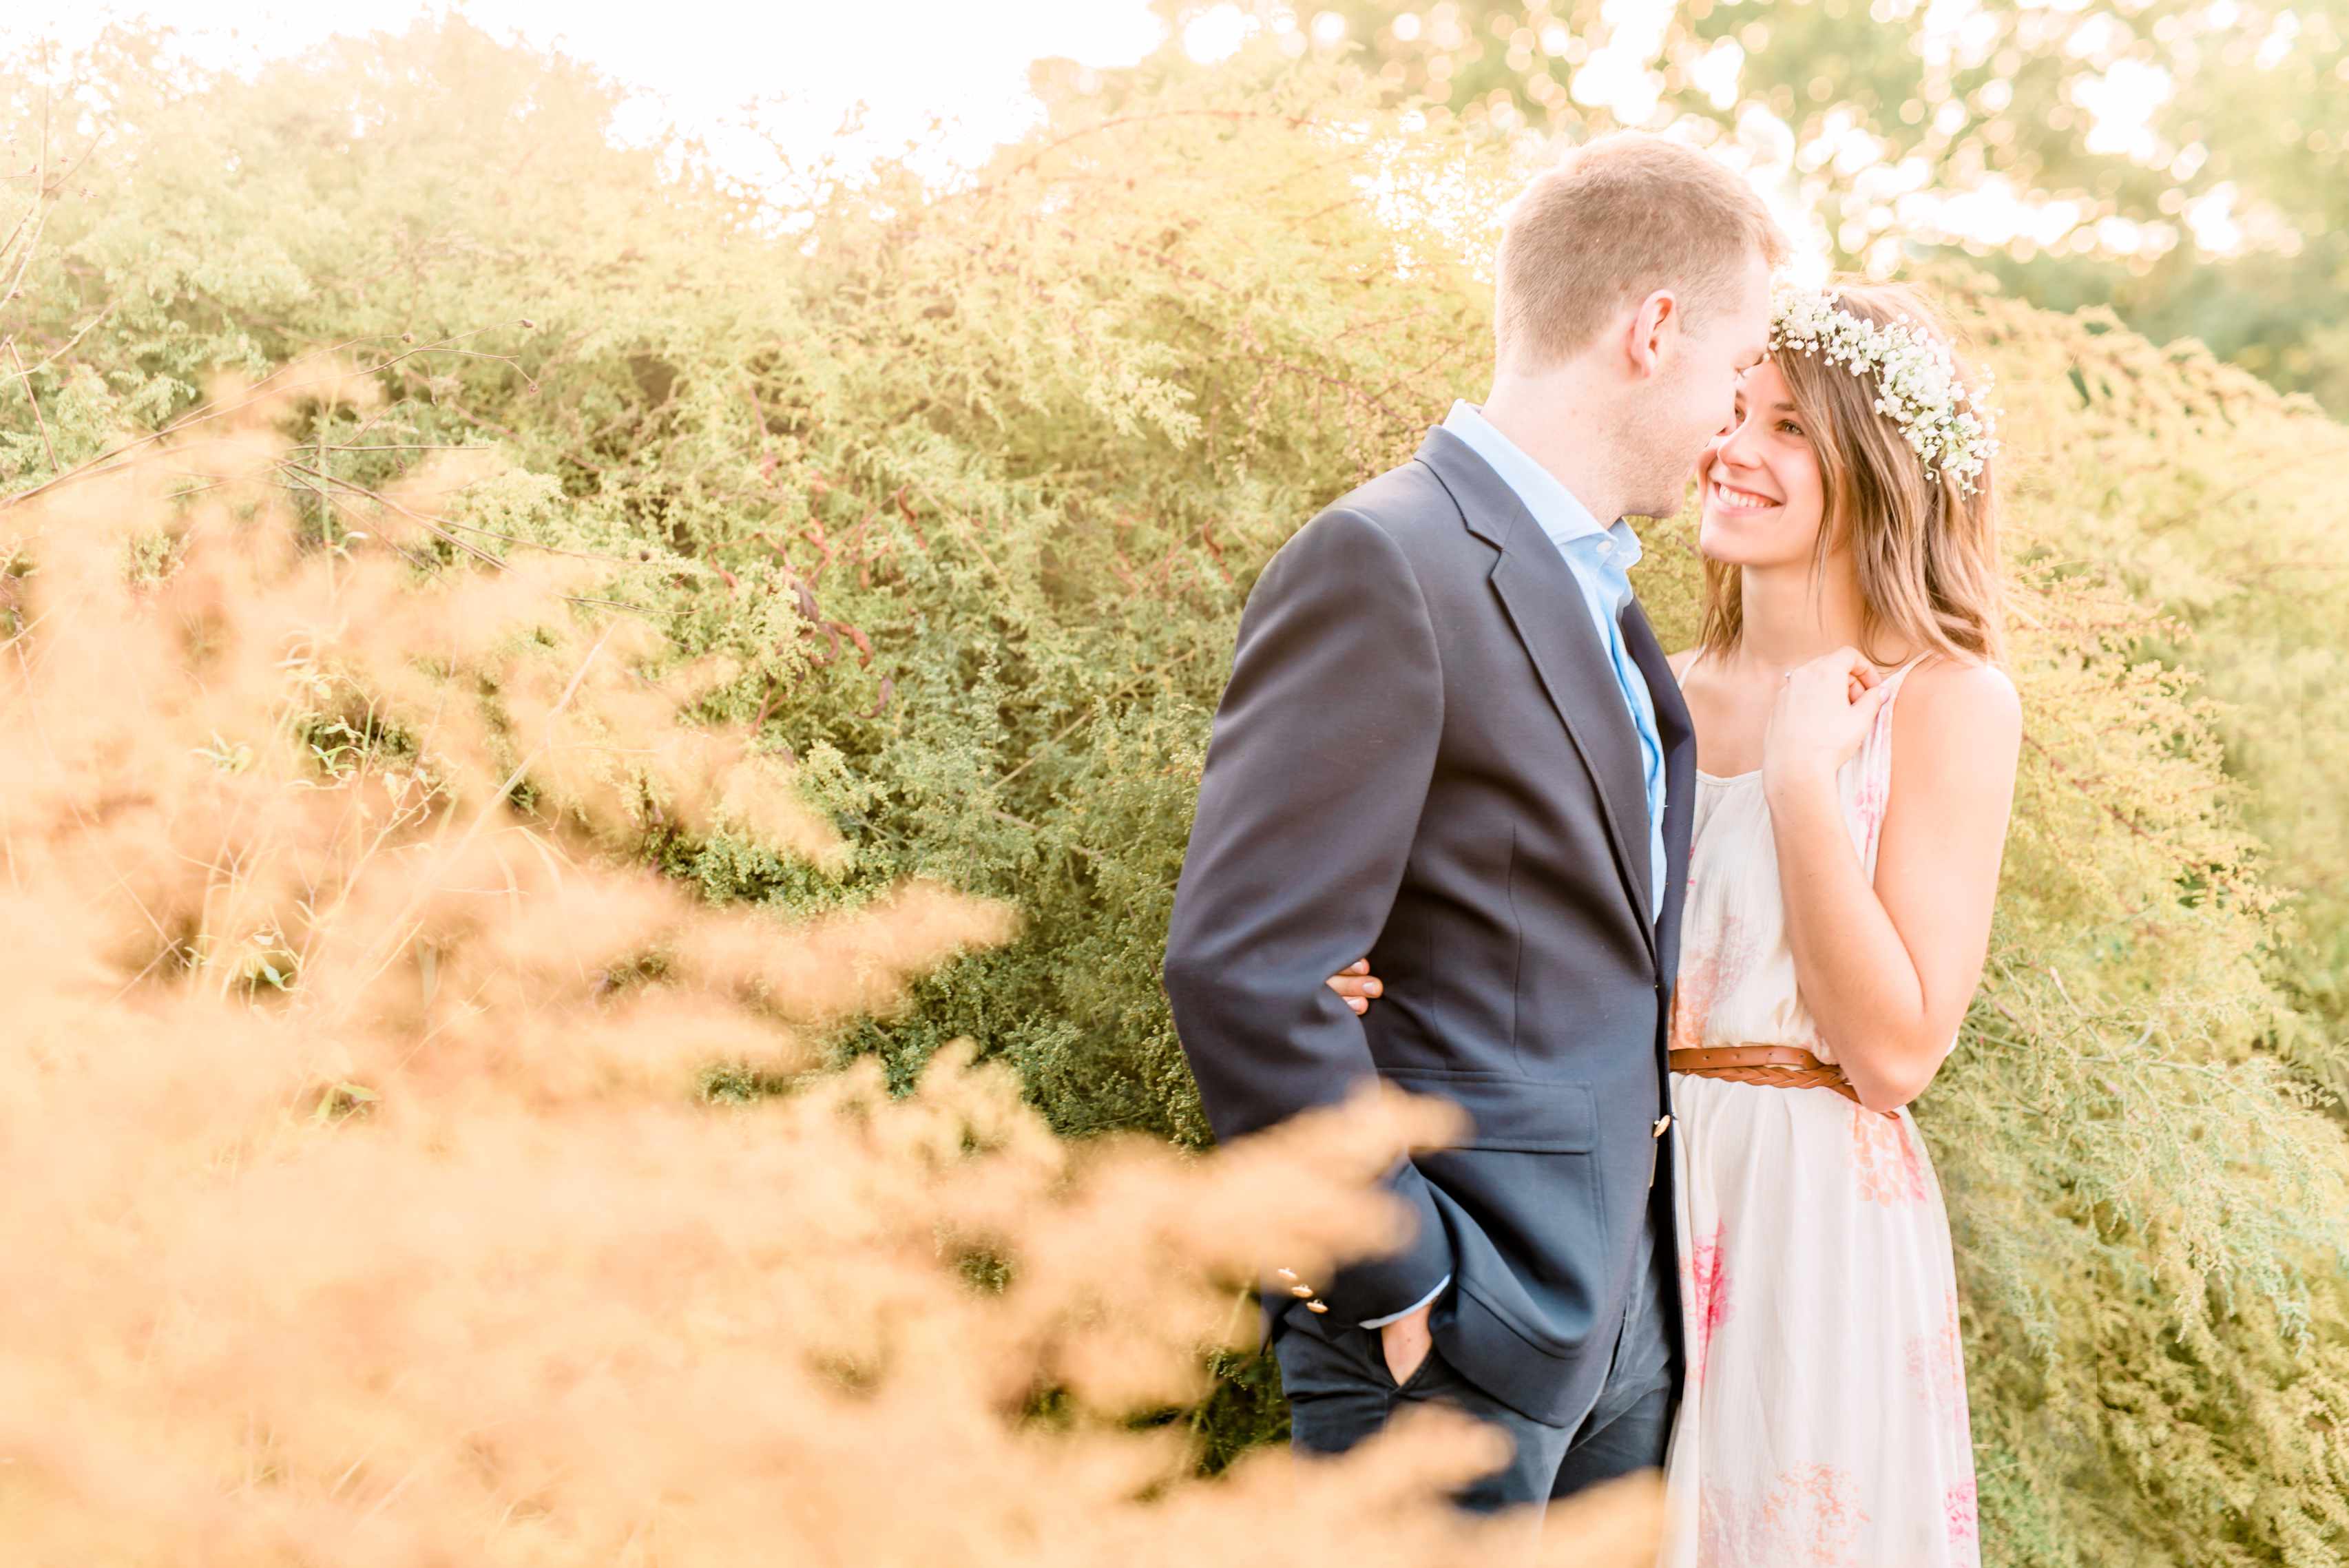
{"x": 1887, "y": 970}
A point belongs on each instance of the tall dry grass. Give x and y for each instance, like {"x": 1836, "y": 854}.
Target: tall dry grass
{"x": 360, "y": 1206}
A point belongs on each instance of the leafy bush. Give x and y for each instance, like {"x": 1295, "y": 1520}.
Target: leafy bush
{"x": 953, "y": 496}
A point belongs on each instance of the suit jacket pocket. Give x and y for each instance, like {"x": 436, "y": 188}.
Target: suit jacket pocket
{"x": 1531, "y": 1115}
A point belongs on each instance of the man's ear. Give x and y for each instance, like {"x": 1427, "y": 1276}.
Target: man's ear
{"x": 1643, "y": 344}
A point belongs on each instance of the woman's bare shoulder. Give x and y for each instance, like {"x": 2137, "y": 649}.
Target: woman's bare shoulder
{"x": 1682, "y": 661}
{"x": 1962, "y": 719}
{"x": 1967, "y": 693}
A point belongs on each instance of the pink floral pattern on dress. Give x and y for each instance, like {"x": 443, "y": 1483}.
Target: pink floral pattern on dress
{"x": 1707, "y": 1282}
{"x": 1704, "y": 975}
{"x": 1873, "y": 798}
{"x": 1868, "y": 805}
{"x": 1809, "y": 1518}
{"x": 1883, "y": 1161}
{"x": 1963, "y": 1507}
{"x": 1936, "y": 1369}
{"x": 1693, "y": 993}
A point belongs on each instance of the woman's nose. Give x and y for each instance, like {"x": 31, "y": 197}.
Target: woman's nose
{"x": 1730, "y": 446}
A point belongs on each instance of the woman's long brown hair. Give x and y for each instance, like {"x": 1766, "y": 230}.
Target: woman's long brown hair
{"x": 1926, "y": 549}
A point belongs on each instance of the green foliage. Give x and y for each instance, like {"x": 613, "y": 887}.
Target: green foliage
{"x": 970, "y": 486}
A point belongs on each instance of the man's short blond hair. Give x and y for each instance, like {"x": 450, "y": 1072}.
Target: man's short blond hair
{"x": 1615, "y": 221}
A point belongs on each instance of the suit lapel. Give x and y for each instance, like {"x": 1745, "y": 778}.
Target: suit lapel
{"x": 1546, "y": 608}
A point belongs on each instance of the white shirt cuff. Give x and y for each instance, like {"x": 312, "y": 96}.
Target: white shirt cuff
{"x": 1441, "y": 1286}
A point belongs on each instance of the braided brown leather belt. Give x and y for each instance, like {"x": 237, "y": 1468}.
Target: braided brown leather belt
{"x": 1779, "y": 1066}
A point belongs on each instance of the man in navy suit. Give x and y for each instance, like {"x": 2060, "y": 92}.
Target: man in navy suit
{"x": 1452, "y": 744}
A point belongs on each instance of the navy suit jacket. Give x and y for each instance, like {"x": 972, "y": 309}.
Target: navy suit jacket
{"x": 1422, "y": 755}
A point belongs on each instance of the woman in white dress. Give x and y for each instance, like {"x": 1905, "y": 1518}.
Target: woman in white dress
{"x": 1836, "y": 922}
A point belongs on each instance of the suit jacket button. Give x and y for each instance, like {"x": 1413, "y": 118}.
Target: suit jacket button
{"x": 1300, "y": 1291}
{"x": 1317, "y": 1306}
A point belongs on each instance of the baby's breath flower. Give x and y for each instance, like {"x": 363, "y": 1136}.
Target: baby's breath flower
{"x": 1917, "y": 385}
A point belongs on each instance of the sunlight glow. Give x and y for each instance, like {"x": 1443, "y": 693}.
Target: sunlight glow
{"x": 2211, "y": 220}
{"x": 2277, "y": 46}
{"x": 1620, "y": 74}
{"x": 1717, "y": 70}
{"x": 2121, "y": 105}
{"x": 1216, "y": 35}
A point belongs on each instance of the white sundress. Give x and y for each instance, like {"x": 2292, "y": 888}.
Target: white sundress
{"x": 1823, "y": 1423}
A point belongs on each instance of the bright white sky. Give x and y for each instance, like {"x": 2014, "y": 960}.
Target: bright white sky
{"x": 697, "y": 60}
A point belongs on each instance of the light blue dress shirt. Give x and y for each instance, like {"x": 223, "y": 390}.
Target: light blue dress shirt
{"x": 1602, "y": 559}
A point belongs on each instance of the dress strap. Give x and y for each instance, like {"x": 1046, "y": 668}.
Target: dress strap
{"x": 1892, "y": 695}
{"x": 1875, "y": 795}
{"x": 1901, "y": 670}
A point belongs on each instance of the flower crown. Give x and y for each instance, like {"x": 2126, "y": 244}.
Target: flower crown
{"x": 1917, "y": 383}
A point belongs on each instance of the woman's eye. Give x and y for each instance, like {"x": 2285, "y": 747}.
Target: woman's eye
{"x": 1790, "y": 426}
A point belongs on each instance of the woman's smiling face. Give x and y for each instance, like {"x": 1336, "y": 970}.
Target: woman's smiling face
{"x": 1764, "y": 498}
